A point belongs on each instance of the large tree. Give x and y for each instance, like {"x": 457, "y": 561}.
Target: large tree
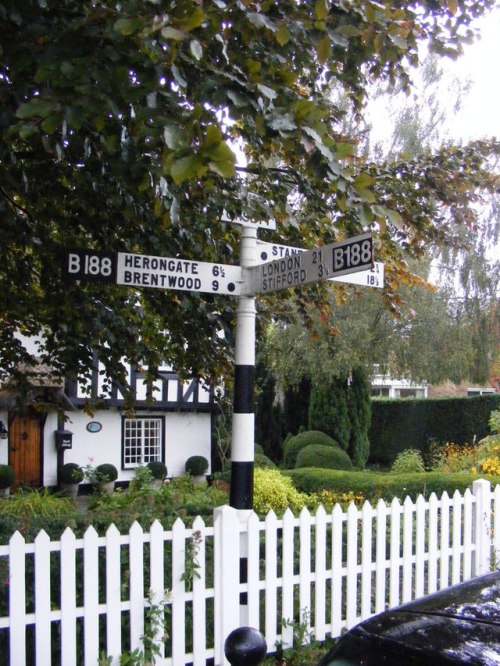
{"x": 115, "y": 127}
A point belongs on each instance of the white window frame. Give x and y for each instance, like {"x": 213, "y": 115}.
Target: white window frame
{"x": 142, "y": 440}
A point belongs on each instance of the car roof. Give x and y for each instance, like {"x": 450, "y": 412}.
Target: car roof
{"x": 477, "y": 599}
{"x": 458, "y": 625}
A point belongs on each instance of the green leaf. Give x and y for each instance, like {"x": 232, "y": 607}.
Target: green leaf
{"x": 127, "y": 26}
{"x": 184, "y": 168}
{"x": 193, "y": 20}
{"x": 282, "y": 123}
{"x": 28, "y": 130}
{"x": 179, "y": 77}
{"x": 174, "y": 137}
{"x": 220, "y": 153}
{"x": 172, "y": 33}
{"x": 35, "y": 107}
{"x": 270, "y": 93}
{"x": 363, "y": 180}
{"x": 349, "y": 30}
{"x": 343, "y": 150}
{"x": 224, "y": 168}
{"x": 282, "y": 35}
{"x": 365, "y": 215}
{"x": 196, "y": 49}
{"x": 260, "y": 20}
{"x": 324, "y": 49}
{"x": 395, "y": 218}
{"x": 213, "y": 137}
{"x": 321, "y": 9}
{"x": 51, "y": 123}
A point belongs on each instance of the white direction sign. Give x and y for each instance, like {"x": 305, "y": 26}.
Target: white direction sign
{"x": 139, "y": 270}
{"x": 373, "y": 277}
{"x": 322, "y": 263}
{"x": 245, "y": 222}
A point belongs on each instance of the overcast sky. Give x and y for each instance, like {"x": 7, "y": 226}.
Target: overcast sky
{"x": 480, "y": 115}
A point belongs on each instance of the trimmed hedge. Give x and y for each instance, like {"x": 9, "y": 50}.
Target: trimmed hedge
{"x": 319, "y": 455}
{"x": 397, "y": 425}
{"x": 376, "y": 485}
{"x": 293, "y": 445}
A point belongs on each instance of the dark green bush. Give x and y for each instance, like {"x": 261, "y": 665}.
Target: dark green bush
{"x": 158, "y": 469}
{"x": 106, "y": 472}
{"x": 71, "y": 473}
{"x": 262, "y": 460}
{"x": 6, "y": 476}
{"x": 319, "y": 455}
{"x": 293, "y": 445}
{"x": 196, "y": 465}
{"x": 375, "y": 485}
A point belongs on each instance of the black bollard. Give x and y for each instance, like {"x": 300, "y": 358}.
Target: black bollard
{"x": 245, "y": 646}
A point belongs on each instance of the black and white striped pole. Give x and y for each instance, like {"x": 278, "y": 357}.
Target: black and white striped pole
{"x": 243, "y": 426}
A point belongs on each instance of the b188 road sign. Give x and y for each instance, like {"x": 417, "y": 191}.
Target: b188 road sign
{"x": 139, "y": 270}
{"x": 373, "y": 277}
{"x": 322, "y": 263}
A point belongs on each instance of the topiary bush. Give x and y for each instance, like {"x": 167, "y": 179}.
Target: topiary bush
{"x": 293, "y": 445}
{"x": 196, "y": 465}
{"x": 7, "y": 476}
{"x": 319, "y": 455}
{"x": 158, "y": 469}
{"x": 106, "y": 473}
{"x": 273, "y": 491}
{"x": 409, "y": 460}
{"x": 71, "y": 473}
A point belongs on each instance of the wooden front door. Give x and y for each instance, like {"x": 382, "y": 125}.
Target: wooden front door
{"x": 25, "y": 448}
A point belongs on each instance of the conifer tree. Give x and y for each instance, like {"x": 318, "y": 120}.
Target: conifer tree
{"x": 328, "y": 410}
{"x": 359, "y": 404}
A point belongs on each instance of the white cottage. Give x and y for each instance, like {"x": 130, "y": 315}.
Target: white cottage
{"x": 175, "y": 426}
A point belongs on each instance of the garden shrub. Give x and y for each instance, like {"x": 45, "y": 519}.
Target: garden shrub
{"x": 274, "y": 491}
{"x": 293, "y": 445}
{"x": 376, "y": 485}
{"x": 262, "y": 460}
{"x": 328, "y": 499}
{"x": 319, "y": 455}
{"x": 71, "y": 473}
{"x": 488, "y": 450}
{"x": 196, "y": 465}
{"x": 458, "y": 458}
{"x": 409, "y": 460}
{"x": 29, "y": 511}
{"x": 180, "y": 497}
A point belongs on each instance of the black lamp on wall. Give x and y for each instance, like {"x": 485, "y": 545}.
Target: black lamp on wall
{"x": 4, "y": 433}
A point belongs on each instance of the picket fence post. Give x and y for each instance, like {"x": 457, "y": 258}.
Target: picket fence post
{"x": 482, "y": 524}
{"x": 226, "y": 577}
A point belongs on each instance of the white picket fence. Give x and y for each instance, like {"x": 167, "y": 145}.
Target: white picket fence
{"x": 74, "y": 600}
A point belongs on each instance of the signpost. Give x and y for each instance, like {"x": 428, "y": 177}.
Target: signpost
{"x": 292, "y": 267}
{"x": 139, "y": 270}
{"x": 373, "y": 277}
{"x": 321, "y": 263}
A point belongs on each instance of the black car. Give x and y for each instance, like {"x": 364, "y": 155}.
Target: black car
{"x": 459, "y": 625}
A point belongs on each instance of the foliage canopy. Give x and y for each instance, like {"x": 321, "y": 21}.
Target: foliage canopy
{"x": 116, "y": 127}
